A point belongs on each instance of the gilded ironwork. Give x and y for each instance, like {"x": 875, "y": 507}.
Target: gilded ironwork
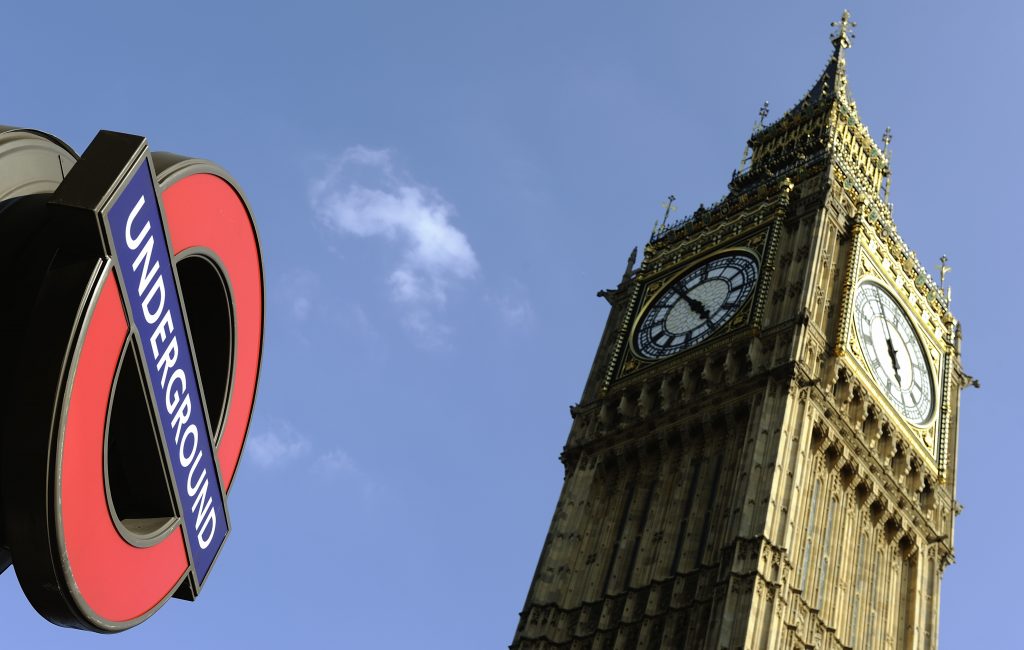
{"x": 653, "y": 279}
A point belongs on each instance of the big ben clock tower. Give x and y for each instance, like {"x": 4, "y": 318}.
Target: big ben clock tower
{"x": 764, "y": 455}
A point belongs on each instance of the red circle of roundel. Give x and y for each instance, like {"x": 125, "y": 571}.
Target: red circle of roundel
{"x": 118, "y": 584}
{"x": 204, "y": 211}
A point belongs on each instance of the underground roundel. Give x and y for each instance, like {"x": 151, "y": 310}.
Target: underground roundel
{"x": 145, "y": 350}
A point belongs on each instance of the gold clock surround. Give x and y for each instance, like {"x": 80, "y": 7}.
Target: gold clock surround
{"x": 758, "y": 240}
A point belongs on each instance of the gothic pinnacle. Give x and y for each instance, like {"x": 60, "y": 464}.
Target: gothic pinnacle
{"x": 943, "y": 269}
{"x": 887, "y": 182}
{"x": 758, "y": 127}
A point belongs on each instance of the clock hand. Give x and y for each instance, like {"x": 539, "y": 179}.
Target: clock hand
{"x": 698, "y": 307}
{"x": 895, "y": 363}
{"x": 888, "y": 343}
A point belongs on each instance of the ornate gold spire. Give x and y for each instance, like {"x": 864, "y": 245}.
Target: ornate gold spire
{"x": 824, "y": 120}
{"x": 832, "y": 82}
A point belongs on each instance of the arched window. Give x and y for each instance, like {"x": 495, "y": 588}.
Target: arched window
{"x": 808, "y": 543}
{"x": 826, "y": 551}
{"x": 858, "y": 583}
{"x": 875, "y": 598}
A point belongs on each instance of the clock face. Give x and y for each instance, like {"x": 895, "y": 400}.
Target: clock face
{"x": 893, "y": 353}
{"x": 697, "y": 304}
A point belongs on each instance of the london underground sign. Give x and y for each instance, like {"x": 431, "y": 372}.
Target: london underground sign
{"x": 137, "y": 362}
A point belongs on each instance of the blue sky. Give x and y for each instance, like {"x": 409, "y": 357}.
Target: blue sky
{"x": 441, "y": 188}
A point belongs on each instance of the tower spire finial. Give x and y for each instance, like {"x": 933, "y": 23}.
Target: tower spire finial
{"x": 843, "y": 36}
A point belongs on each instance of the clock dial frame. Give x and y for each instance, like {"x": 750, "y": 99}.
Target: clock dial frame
{"x": 894, "y": 353}
{"x": 695, "y": 304}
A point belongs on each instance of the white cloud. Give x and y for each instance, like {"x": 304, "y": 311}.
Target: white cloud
{"x": 515, "y": 313}
{"x": 362, "y": 195}
{"x": 276, "y": 446}
{"x": 513, "y": 306}
{"x": 335, "y": 461}
{"x": 298, "y": 290}
{"x": 281, "y": 445}
{"x": 336, "y": 464}
{"x": 300, "y": 307}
